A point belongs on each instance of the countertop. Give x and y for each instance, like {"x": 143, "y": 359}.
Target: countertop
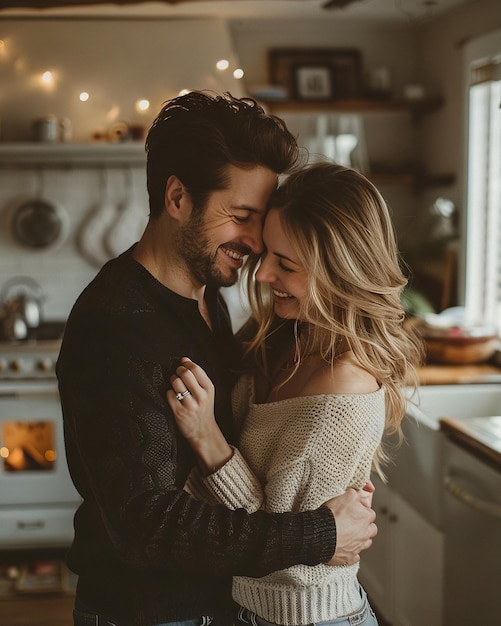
{"x": 479, "y": 435}
{"x": 459, "y": 374}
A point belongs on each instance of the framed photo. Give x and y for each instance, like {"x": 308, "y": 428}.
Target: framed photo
{"x": 312, "y": 82}
{"x": 299, "y": 71}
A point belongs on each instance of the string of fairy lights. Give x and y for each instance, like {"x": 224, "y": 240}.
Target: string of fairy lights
{"x": 50, "y": 79}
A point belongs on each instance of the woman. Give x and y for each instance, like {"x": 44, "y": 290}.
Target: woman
{"x": 330, "y": 358}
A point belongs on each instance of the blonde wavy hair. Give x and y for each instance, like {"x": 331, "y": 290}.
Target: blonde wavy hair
{"x": 342, "y": 232}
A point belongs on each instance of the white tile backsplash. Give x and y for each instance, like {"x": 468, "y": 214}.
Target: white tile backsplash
{"x": 63, "y": 271}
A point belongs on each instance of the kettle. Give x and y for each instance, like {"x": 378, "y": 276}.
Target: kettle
{"x": 21, "y": 307}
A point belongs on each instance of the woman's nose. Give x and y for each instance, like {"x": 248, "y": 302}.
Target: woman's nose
{"x": 264, "y": 273}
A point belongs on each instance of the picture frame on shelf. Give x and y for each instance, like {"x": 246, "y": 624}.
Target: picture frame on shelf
{"x": 343, "y": 65}
{"x": 312, "y": 82}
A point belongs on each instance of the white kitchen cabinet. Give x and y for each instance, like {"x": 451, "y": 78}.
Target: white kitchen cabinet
{"x": 375, "y": 568}
{"x": 403, "y": 570}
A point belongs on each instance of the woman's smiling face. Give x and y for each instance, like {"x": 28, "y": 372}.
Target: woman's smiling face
{"x": 282, "y": 269}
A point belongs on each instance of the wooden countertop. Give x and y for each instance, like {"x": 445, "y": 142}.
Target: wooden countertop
{"x": 458, "y": 374}
{"x": 479, "y": 435}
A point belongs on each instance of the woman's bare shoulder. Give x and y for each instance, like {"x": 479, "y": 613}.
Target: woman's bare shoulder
{"x": 346, "y": 376}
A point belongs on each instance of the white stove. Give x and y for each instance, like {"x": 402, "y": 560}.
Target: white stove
{"x": 28, "y": 360}
{"x": 37, "y": 497}
{"x": 33, "y": 358}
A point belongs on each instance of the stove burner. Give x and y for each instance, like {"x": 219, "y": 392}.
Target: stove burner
{"x": 33, "y": 358}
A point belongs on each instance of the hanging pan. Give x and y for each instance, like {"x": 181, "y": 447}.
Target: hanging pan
{"x": 38, "y": 223}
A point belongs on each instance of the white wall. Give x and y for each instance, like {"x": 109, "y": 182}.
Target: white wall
{"x": 116, "y": 61}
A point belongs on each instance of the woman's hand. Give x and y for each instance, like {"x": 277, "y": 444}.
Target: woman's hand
{"x": 194, "y": 415}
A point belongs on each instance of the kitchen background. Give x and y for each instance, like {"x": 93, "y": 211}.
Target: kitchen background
{"x": 431, "y": 558}
{"x": 121, "y": 61}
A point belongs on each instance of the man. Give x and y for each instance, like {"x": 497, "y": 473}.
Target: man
{"x": 146, "y": 552}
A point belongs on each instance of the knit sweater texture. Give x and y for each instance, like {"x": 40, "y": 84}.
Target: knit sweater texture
{"x": 303, "y": 450}
{"x": 147, "y": 552}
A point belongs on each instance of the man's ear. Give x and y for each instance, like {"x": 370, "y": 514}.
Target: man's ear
{"x": 175, "y": 192}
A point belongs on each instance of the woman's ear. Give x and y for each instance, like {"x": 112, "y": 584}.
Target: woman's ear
{"x": 175, "y": 192}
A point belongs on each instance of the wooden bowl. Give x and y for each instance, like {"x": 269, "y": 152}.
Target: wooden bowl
{"x": 460, "y": 350}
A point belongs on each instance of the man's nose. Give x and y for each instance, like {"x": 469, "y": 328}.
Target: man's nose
{"x": 254, "y": 238}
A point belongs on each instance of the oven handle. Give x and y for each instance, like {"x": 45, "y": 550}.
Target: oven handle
{"x": 34, "y": 525}
{"x": 489, "y": 508}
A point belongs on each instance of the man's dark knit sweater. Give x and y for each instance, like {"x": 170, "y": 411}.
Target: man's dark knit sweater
{"x": 146, "y": 552}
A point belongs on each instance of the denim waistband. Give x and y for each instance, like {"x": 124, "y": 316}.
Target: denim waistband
{"x": 84, "y": 615}
{"x": 91, "y": 619}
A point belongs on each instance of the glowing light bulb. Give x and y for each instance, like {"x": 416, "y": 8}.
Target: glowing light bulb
{"x": 3, "y": 48}
{"x": 50, "y": 455}
{"x": 84, "y": 96}
{"x": 47, "y": 78}
{"x": 142, "y": 105}
{"x": 238, "y": 73}
{"x": 223, "y": 64}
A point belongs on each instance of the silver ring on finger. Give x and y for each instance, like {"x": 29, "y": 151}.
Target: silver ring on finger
{"x": 182, "y": 394}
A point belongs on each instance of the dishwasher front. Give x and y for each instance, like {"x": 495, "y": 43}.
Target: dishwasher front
{"x": 472, "y": 528}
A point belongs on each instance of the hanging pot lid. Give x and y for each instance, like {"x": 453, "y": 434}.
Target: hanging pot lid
{"x": 38, "y": 223}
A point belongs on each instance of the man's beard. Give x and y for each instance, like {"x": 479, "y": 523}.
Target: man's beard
{"x": 194, "y": 248}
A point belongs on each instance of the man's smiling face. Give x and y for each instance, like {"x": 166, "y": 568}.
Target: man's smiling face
{"x": 214, "y": 242}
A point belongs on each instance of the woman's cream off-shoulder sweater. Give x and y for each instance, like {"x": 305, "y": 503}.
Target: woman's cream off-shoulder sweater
{"x": 303, "y": 451}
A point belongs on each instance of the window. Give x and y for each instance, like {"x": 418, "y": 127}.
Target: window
{"x": 483, "y": 218}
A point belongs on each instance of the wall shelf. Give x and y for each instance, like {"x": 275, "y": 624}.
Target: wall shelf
{"x": 27, "y": 155}
{"x": 417, "y": 108}
{"x": 404, "y": 178}
{"x": 417, "y": 180}
{"x": 68, "y": 155}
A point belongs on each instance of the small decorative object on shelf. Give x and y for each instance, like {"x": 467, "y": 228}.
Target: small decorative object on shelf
{"x": 380, "y": 83}
{"x": 317, "y": 73}
{"x": 313, "y": 82}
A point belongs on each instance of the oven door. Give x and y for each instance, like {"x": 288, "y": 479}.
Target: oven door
{"x": 37, "y": 498}
{"x": 33, "y": 468}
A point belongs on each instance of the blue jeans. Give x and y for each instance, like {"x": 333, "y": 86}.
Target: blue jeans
{"x": 91, "y": 619}
{"x": 85, "y": 616}
{"x": 364, "y": 617}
